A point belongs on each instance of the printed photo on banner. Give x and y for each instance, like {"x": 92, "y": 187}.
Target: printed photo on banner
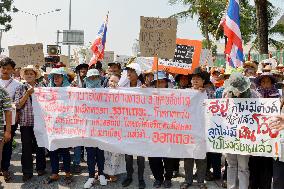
{"x": 241, "y": 126}
{"x": 186, "y": 59}
{"x": 144, "y": 122}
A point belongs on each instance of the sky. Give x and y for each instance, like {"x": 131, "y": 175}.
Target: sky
{"x": 88, "y": 15}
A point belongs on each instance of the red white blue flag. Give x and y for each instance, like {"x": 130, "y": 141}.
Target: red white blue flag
{"x": 231, "y": 24}
{"x": 98, "y": 47}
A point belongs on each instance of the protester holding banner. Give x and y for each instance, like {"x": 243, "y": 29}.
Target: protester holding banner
{"x": 95, "y": 156}
{"x": 7, "y": 66}
{"x": 114, "y": 162}
{"x": 198, "y": 80}
{"x": 23, "y": 100}
{"x": 159, "y": 165}
{"x": 58, "y": 78}
{"x": 81, "y": 71}
{"x": 261, "y": 168}
{"x": 113, "y": 68}
{"x": 238, "y": 86}
{"x": 134, "y": 79}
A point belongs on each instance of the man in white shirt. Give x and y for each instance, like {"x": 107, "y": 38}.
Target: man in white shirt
{"x": 7, "y": 67}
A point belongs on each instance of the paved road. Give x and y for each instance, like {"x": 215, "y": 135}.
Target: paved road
{"x": 79, "y": 180}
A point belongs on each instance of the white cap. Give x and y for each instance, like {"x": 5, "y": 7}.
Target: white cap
{"x": 135, "y": 67}
{"x": 93, "y": 72}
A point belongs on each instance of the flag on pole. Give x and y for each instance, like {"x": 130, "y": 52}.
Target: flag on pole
{"x": 231, "y": 24}
{"x": 98, "y": 46}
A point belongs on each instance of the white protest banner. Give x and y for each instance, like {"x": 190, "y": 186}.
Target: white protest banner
{"x": 144, "y": 122}
{"x": 30, "y": 54}
{"x": 158, "y": 37}
{"x": 240, "y": 126}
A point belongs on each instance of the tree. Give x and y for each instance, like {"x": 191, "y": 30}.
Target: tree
{"x": 6, "y": 8}
{"x": 210, "y": 13}
{"x": 262, "y": 25}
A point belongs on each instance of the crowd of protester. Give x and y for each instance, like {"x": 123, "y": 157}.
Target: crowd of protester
{"x": 253, "y": 80}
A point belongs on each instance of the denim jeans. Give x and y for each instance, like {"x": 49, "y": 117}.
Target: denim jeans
{"x": 278, "y": 172}
{"x": 54, "y": 160}
{"x": 238, "y": 171}
{"x": 95, "y": 156}
{"x": 77, "y": 155}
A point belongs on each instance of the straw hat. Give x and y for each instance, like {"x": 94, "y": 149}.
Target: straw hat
{"x": 30, "y": 67}
{"x": 249, "y": 64}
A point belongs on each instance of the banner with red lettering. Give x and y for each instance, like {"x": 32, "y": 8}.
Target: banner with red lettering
{"x": 144, "y": 122}
{"x": 241, "y": 126}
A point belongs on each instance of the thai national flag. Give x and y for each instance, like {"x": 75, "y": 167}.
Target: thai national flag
{"x": 231, "y": 24}
{"x": 98, "y": 47}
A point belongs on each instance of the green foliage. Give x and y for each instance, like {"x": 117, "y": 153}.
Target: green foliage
{"x": 6, "y": 8}
{"x": 210, "y": 13}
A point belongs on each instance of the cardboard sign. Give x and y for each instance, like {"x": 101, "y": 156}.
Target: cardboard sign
{"x": 157, "y": 37}
{"x": 186, "y": 58}
{"x": 30, "y": 54}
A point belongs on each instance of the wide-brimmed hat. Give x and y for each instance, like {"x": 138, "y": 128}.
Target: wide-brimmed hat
{"x": 80, "y": 66}
{"x": 203, "y": 74}
{"x": 263, "y": 75}
{"x": 57, "y": 71}
{"x": 178, "y": 76}
{"x": 280, "y": 66}
{"x": 237, "y": 84}
{"x": 148, "y": 72}
{"x": 267, "y": 68}
{"x": 250, "y": 64}
{"x": 30, "y": 67}
{"x": 160, "y": 76}
{"x": 93, "y": 72}
{"x": 136, "y": 67}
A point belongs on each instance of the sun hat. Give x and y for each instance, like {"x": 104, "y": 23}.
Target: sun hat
{"x": 263, "y": 75}
{"x": 30, "y": 67}
{"x": 136, "y": 67}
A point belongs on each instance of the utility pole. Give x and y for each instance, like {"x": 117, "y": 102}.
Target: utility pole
{"x": 69, "y": 47}
{"x": 1, "y": 32}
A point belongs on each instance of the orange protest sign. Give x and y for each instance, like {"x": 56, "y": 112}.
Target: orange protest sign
{"x": 186, "y": 59}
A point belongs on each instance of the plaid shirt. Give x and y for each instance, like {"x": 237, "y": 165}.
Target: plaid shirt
{"x": 5, "y": 105}
{"x": 26, "y": 112}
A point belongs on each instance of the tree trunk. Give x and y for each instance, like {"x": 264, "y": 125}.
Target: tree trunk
{"x": 262, "y": 25}
{"x": 206, "y": 31}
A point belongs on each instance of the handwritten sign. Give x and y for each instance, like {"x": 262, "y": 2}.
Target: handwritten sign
{"x": 186, "y": 58}
{"x": 240, "y": 126}
{"x": 145, "y": 122}
{"x": 30, "y": 54}
{"x": 157, "y": 37}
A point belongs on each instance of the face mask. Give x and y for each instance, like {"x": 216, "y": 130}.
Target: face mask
{"x": 93, "y": 83}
